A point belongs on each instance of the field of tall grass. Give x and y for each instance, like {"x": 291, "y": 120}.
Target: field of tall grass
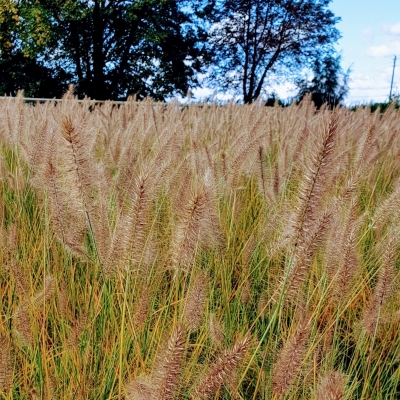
{"x": 152, "y": 251}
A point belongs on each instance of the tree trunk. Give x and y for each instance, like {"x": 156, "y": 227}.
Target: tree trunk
{"x": 98, "y": 91}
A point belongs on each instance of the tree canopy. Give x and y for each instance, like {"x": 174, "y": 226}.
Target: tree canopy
{"x": 110, "y": 49}
{"x": 329, "y": 83}
{"x": 25, "y": 33}
{"x": 254, "y": 38}
{"x": 107, "y": 48}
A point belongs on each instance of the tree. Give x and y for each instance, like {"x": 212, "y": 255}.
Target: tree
{"x": 20, "y": 72}
{"x": 117, "y": 48}
{"x": 111, "y": 49}
{"x": 23, "y": 35}
{"x": 255, "y": 38}
{"x": 329, "y": 84}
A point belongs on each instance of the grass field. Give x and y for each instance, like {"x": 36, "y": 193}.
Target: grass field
{"x": 150, "y": 251}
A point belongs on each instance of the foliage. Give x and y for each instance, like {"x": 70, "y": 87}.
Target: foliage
{"x": 254, "y": 38}
{"x": 24, "y": 34}
{"x": 19, "y": 71}
{"x": 382, "y": 107}
{"x": 109, "y": 49}
{"x": 329, "y": 84}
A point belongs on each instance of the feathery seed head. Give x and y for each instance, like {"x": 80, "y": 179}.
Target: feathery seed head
{"x": 221, "y": 370}
{"x": 141, "y": 388}
{"x": 168, "y": 366}
{"x": 6, "y": 364}
{"x": 217, "y": 334}
{"x": 290, "y": 358}
{"x": 196, "y": 301}
{"x": 332, "y": 386}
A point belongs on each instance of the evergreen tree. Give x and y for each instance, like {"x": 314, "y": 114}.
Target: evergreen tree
{"x": 329, "y": 84}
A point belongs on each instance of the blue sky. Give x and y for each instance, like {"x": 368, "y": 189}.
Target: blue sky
{"x": 370, "y": 38}
{"x": 370, "y": 32}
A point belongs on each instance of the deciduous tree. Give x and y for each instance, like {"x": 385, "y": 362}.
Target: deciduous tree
{"x": 109, "y": 49}
{"x": 255, "y": 38}
{"x": 25, "y": 33}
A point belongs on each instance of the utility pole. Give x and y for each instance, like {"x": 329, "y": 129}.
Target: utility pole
{"x": 391, "y": 85}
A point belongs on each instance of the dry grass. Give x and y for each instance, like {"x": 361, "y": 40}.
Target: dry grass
{"x": 153, "y": 251}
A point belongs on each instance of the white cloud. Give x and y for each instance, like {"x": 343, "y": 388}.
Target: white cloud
{"x": 393, "y": 30}
{"x": 285, "y": 90}
{"x": 385, "y": 50}
{"x": 368, "y": 33}
{"x": 391, "y": 39}
{"x": 202, "y": 93}
{"x": 365, "y": 88}
{"x": 379, "y": 51}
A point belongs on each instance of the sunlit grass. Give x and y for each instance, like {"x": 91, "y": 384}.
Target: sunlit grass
{"x": 179, "y": 284}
